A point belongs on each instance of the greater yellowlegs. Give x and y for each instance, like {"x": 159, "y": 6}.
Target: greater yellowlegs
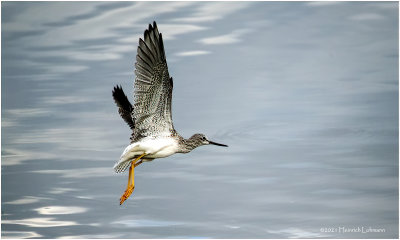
{"x": 150, "y": 119}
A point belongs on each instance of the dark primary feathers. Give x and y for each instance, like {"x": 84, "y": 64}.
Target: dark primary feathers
{"x": 125, "y": 108}
{"x": 153, "y": 88}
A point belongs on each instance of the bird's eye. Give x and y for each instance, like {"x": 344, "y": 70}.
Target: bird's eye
{"x": 204, "y": 138}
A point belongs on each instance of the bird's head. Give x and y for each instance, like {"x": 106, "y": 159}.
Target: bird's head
{"x": 201, "y": 139}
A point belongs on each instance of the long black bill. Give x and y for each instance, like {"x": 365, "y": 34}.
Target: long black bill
{"x": 218, "y": 144}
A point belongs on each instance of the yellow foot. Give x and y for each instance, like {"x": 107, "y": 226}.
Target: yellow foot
{"x": 127, "y": 193}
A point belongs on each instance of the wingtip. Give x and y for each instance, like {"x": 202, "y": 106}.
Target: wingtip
{"x": 151, "y": 28}
{"x": 146, "y": 34}
{"x": 117, "y": 88}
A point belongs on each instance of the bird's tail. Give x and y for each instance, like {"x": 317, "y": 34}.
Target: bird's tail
{"x": 120, "y": 167}
{"x": 125, "y": 160}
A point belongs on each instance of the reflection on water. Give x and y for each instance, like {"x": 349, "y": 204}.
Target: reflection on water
{"x": 298, "y": 233}
{"x": 55, "y": 210}
{"x": 40, "y": 222}
{"x": 24, "y": 200}
{"x": 20, "y": 234}
{"x": 305, "y": 94}
{"x": 130, "y": 223}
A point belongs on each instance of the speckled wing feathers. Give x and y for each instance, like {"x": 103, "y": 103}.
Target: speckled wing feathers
{"x": 153, "y": 88}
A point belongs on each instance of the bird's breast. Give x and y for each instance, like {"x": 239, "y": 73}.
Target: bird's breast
{"x": 160, "y": 148}
{"x": 152, "y": 147}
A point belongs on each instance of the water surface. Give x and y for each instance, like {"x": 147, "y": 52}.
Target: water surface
{"x": 305, "y": 94}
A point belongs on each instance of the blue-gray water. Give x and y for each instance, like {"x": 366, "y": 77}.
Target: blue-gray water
{"x": 304, "y": 94}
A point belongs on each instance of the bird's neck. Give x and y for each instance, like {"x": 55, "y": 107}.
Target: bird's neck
{"x": 188, "y": 145}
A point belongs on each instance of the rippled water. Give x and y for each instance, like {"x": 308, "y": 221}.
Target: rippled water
{"x": 304, "y": 94}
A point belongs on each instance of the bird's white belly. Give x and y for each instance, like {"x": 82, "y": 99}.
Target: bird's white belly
{"x": 152, "y": 148}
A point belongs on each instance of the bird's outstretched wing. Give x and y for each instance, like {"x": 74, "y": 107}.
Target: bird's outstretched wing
{"x": 125, "y": 108}
{"x": 153, "y": 88}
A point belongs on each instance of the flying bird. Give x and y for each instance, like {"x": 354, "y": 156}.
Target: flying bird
{"x": 150, "y": 118}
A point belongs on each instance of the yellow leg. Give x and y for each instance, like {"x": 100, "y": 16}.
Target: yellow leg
{"x": 138, "y": 163}
{"x": 131, "y": 180}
